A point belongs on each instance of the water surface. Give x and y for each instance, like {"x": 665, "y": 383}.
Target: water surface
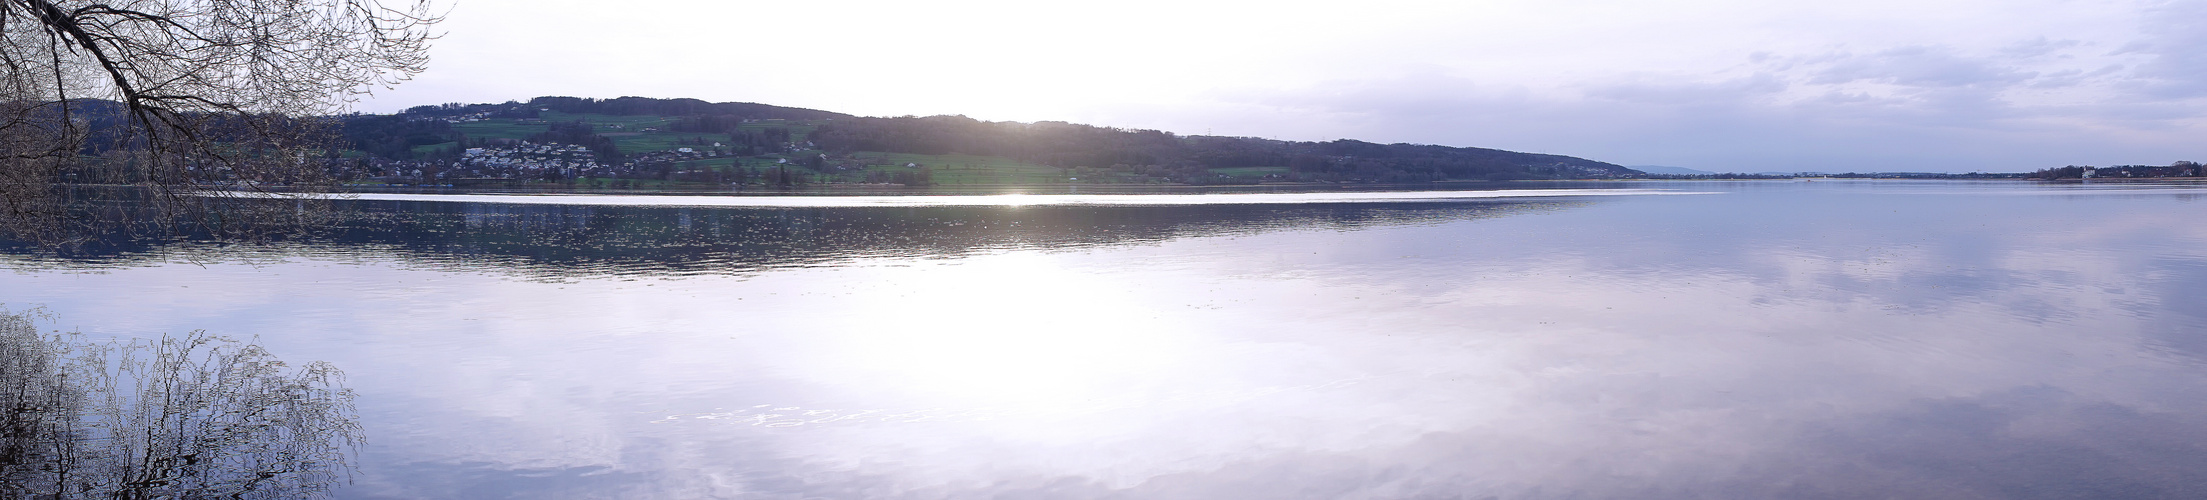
{"x": 1771, "y": 339}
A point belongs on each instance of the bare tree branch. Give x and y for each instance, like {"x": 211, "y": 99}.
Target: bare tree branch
{"x": 206, "y": 108}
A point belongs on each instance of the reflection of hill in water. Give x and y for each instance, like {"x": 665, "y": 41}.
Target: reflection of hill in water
{"x": 587, "y": 240}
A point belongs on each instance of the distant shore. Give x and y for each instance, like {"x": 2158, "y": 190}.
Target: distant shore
{"x": 1068, "y": 188}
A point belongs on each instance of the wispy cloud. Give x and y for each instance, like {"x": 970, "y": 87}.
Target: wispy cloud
{"x": 1711, "y": 84}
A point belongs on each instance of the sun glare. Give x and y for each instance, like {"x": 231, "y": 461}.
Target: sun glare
{"x": 1016, "y": 331}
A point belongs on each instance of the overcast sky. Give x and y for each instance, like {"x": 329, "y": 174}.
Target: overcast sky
{"x": 1865, "y": 85}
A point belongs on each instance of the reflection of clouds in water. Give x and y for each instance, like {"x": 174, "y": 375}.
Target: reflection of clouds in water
{"x": 1688, "y": 382}
{"x": 1994, "y": 446}
{"x": 2183, "y": 192}
{"x": 1662, "y": 401}
{"x": 1644, "y": 347}
{"x": 1524, "y": 375}
{"x": 2027, "y": 442}
{"x": 768, "y": 415}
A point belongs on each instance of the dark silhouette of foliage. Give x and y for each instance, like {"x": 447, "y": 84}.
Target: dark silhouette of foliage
{"x": 196, "y": 416}
{"x": 178, "y": 96}
{"x": 2178, "y": 169}
{"x": 394, "y": 136}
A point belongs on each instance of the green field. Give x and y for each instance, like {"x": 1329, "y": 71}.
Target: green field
{"x": 609, "y": 123}
{"x": 943, "y": 169}
{"x": 969, "y": 169}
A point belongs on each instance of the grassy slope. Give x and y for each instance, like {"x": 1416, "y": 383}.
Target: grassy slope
{"x": 967, "y": 169}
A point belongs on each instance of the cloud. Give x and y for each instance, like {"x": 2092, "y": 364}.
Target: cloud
{"x": 2038, "y": 47}
{"x": 2016, "y": 105}
{"x": 1919, "y": 66}
{"x": 2176, "y": 68}
{"x": 1715, "y": 85}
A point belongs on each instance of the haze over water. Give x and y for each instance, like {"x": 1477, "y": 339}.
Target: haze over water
{"x": 1763, "y": 340}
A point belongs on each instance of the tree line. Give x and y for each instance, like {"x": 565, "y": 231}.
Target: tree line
{"x": 631, "y": 106}
{"x": 2178, "y": 169}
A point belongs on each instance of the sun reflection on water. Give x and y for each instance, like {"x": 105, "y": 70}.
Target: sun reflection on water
{"x": 1014, "y": 330}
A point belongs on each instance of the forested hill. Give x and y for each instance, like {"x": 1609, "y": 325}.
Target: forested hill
{"x": 1066, "y": 144}
{"x": 569, "y": 139}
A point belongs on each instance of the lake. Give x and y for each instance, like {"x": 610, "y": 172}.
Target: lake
{"x": 1765, "y": 339}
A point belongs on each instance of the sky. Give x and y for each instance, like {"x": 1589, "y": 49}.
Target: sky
{"x": 1731, "y": 86}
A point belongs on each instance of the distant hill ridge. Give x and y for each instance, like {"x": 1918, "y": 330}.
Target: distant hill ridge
{"x": 676, "y": 107}
{"x": 1157, "y": 154}
{"x": 1060, "y": 143}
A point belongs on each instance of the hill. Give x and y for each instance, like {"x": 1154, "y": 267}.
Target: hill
{"x": 635, "y": 141}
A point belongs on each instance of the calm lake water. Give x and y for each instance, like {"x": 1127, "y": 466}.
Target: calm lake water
{"x": 1660, "y": 340}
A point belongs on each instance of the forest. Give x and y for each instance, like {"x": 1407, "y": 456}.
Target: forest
{"x": 2178, "y": 169}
